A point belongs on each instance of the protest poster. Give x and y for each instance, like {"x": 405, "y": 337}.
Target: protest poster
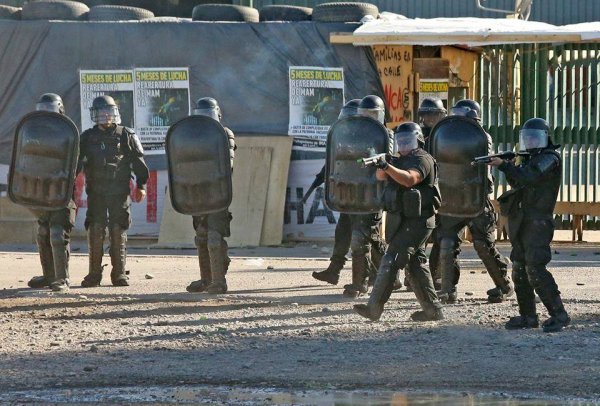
{"x": 315, "y": 100}
{"x": 162, "y": 97}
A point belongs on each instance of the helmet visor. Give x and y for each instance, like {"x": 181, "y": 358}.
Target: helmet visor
{"x": 212, "y": 113}
{"x": 106, "y": 115}
{"x": 532, "y": 139}
{"x": 347, "y": 112}
{"x": 375, "y": 114}
{"x": 49, "y": 106}
{"x": 406, "y": 142}
{"x": 429, "y": 119}
{"x": 460, "y": 111}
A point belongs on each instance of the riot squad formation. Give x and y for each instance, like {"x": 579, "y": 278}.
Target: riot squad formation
{"x": 432, "y": 180}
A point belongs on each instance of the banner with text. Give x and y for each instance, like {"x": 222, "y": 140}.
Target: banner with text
{"x": 316, "y": 98}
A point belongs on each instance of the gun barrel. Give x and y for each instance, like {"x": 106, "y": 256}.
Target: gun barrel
{"x": 365, "y": 162}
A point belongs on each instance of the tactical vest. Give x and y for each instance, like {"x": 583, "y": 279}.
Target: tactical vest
{"x": 108, "y": 167}
{"x": 397, "y": 197}
{"x": 539, "y": 199}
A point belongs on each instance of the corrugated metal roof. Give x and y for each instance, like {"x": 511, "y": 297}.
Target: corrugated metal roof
{"x": 558, "y": 12}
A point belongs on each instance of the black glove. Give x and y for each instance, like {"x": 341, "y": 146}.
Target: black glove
{"x": 381, "y": 163}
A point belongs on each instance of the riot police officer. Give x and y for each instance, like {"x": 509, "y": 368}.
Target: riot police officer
{"x": 482, "y": 229}
{"x": 212, "y": 228}
{"x": 411, "y": 198}
{"x": 530, "y": 205}
{"x": 365, "y": 227}
{"x": 108, "y": 155}
{"x": 343, "y": 228}
{"x": 54, "y": 227}
{"x": 431, "y": 111}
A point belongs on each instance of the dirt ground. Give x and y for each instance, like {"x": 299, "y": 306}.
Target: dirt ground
{"x": 278, "y": 327}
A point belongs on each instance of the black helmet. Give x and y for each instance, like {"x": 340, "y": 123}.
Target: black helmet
{"x": 534, "y": 134}
{"x": 104, "y": 110}
{"x": 349, "y": 109}
{"x": 467, "y": 108}
{"x": 50, "y": 102}
{"x": 207, "y": 106}
{"x": 408, "y": 136}
{"x": 372, "y": 106}
{"x": 431, "y": 111}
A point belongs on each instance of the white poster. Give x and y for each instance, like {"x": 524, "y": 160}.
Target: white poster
{"x": 115, "y": 83}
{"x": 162, "y": 97}
{"x": 316, "y": 98}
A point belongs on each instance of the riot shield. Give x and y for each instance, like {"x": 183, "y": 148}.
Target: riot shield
{"x": 455, "y": 141}
{"x": 44, "y": 161}
{"x": 197, "y": 149}
{"x": 350, "y": 188}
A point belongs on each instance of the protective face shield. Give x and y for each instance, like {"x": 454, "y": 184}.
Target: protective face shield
{"x": 50, "y": 102}
{"x": 207, "y": 106}
{"x": 375, "y": 114}
{"x": 429, "y": 119}
{"x": 104, "y": 111}
{"x": 406, "y": 142}
{"x": 530, "y": 138}
{"x": 467, "y": 108}
{"x": 212, "y": 113}
{"x": 349, "y": 109}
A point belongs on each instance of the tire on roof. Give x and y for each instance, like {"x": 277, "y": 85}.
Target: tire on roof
{"x": 343, "y": 12}
{"x": 10, "y": 13}
{"x": 285, "y": 13}
{"x": 54, "y": 10}
{"x": 118, "y": 13}
{"x": 224, "y": 12}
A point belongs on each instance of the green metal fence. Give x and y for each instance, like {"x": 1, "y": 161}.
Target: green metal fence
{"x": 560, "y": 84}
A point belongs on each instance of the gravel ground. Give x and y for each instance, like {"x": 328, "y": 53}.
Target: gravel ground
{"x": 279, "y": 328}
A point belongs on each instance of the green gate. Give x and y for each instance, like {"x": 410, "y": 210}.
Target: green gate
{"x": 562, "y": 85}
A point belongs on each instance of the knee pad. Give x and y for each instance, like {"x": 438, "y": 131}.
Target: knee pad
{"x": 214, "y": 239}
{"x": 388, "y": 260}
{"x": 534, "y": 275}
{"x": 447, "y": 248}
{"x": 43, "y": 232}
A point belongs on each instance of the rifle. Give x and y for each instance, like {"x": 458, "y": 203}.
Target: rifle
{"x": 370, "y": 161}
{"x": 506, "y": 156}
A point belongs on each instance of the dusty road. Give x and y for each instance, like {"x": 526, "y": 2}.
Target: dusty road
{"x": 280, "y": 328}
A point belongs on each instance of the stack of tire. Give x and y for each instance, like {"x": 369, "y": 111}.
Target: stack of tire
{"x": 73, "y": 10}
{"x": 326, "y": 12}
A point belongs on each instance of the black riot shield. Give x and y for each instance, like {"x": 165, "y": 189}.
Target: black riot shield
{"x": 455, "y": 141}
{"x": 44, "y": 161}
{"x": 197, "y": 149}
{"x": 350, "y": 188}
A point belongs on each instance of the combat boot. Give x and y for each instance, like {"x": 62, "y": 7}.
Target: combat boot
{"x": 500, "y": 294}
{"x": 381, "y": 293}
{"x": 218, "y": 269}
{"x": 397, "y": 282}
{"x": 522, "y": 321}
{"x": 448, "y": 297}
{"x": 45, "y": 249}
{"x": 205, "y": 272}
{"x": 330, "y": 275}
{"x": 433, "y": 314}
{"x": 59, "y": 240}
{"x": 95, "y": 249}
{"x": 558, "y": 315}
{"x": 118, "y": 255}
{"x": 359, "y": 284}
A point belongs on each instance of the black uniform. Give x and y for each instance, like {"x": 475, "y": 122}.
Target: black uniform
{"x": 108, "y": 158}
{"x": 482, "y": 228}
{"x": 408, "y": 226}
{"x": 211, "y": 230}
{"x": 535, "y": 184}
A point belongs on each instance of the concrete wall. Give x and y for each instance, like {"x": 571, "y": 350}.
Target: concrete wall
{"x": 259, "y": 181}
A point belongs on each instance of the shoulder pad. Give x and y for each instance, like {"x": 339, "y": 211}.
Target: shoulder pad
{"x": 546, "y": 161}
